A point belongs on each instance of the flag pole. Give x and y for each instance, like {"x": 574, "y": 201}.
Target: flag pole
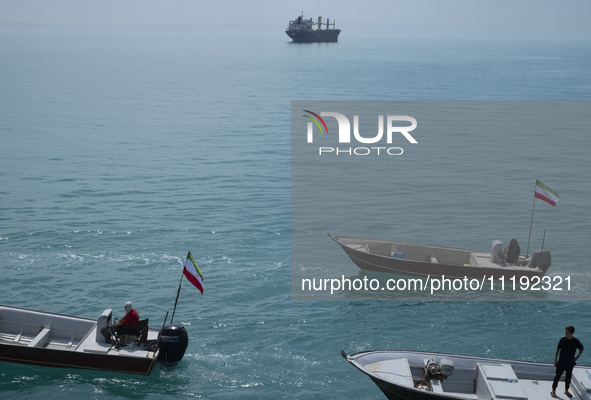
{"x": 531, "y": 223}
{"x": 160, "y": 334}
{"x": 177, "y": 296}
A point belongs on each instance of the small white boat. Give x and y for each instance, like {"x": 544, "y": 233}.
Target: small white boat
{"x": 414, "y": 375}
{"x": 55, "y": 340}
{"x": 426, "y": 260}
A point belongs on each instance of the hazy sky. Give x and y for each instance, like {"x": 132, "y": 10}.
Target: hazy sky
{"x": 545, "y": 19}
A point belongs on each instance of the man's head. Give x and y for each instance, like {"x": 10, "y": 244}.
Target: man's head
{"x": 569, "y": 330}
{"x": 129, "y": 307}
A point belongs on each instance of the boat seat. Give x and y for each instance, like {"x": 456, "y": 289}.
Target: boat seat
{"x": 96, "y": 348}
{"x": 498, "y": 381}
{"x": 41, "y": 338}
{"x": 142, "y": 327}
{"x": 142, "y": 333}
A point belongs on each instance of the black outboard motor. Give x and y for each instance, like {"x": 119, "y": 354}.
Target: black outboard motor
{"x": 542, "y": 259}
{"x": 173, "y": 343}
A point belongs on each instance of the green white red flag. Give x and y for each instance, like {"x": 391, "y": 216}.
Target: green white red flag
{"x": 193, "y": 273}
{"x": 543, "y": 192}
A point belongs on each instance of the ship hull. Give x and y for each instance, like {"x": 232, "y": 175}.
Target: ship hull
{"x": 317, "y": 36}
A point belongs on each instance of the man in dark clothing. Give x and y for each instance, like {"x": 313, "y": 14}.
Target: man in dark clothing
{"x": 512, "y": 251}
{"x": 567, "y": 347}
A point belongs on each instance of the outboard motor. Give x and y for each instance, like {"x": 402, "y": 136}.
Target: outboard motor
{"x": 173, "y": 343}
{"x": 435, "y": 373}
{"x": 541, "y": 259}
{"x": 441, "y": 370}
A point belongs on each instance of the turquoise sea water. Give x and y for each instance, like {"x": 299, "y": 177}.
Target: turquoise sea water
{"x": 122, "y": 149}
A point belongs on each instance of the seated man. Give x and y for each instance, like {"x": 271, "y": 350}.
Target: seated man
{"x": 127, "y": 325}
{"x": 512, "y": 252}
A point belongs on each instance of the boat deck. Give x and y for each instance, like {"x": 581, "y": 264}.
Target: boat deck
{"x": 89, "y": 345}
{"x": 45, "y": 340}
{"x": 535, "y": 389}
{"x": 41, "y": 336}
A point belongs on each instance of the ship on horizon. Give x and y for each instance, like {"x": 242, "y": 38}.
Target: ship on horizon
{"x": 303, "y": 30}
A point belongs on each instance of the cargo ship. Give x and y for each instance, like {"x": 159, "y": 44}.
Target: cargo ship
{"x": 303, "y": 30}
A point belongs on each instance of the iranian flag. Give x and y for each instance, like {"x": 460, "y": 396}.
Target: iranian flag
{"x": 193, "y": 273}
{"x": 543, "y": 192}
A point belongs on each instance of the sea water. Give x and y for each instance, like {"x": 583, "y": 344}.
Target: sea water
{"x": 122, "y": 149}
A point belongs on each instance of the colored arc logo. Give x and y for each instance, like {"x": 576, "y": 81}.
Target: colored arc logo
{"x": 316, "y": 120}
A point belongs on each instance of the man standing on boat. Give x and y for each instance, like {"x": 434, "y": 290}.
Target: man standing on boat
{"x": 127, "y": 325}
{"x": 567, "y": 347}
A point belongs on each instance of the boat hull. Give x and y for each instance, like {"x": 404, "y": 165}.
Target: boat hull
{"x": 428, "y": 261}
{"x": 314, "y": 36}
{"x": 69, "y": 359}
